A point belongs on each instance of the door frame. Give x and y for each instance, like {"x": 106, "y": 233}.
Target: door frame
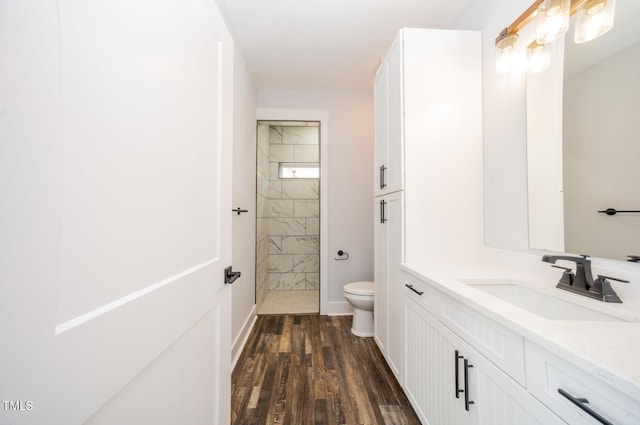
{"x": 321, "y": 115}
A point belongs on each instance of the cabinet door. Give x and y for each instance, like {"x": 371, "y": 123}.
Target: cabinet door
{"x": 394, "y": 174}
{"x": 395, "y": 250}
{"x": 499, "y": 400}
{"x": 381, "y": 274}
{"x": 430, "y": 368}
{"x": 380, "y": 119}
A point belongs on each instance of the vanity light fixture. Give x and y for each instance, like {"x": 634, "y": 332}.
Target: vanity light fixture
{"x": 553, "y": 20}
{"x": 505, "y": 52}
{"x": 595, "y": 17}
{"x": 538, "y": 58}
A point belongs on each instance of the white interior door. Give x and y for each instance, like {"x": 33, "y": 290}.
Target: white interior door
{"x": 115, "y": 122}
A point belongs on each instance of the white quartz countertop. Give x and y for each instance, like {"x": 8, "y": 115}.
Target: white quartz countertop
{"x": 607, "y": 350}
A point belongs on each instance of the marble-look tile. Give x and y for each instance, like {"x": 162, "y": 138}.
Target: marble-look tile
{"x": 281, "y": 264}
{"x": 306, "y": 263}
{"x": 273, "y": 171}
{"x": 262, "y": 206}
{"x": 287, "y": 226}
{"x": 300, "y": 245}
{"x": 287, "y": 281}
{"x": 263, "y": 131}
{"x": 275, "y": 134}
{"x": 263, "y": 143}
{"x": 262, "y": 162}
{"x": 306, "y": 153}
{"x": 313, "y": 226}
{"x": 281, "y": 153}
{"x": 312, "y": 281}
{"x": 275, "y": 244}
{"x": 300, "y": 189}
{"x": 280, "y": 208}
{"x": 300, "y": 135}
{"x": 275, "y": 189}
{"x": 262, "y": 183}
{"x": 262, "y": 228}
{"x": 307, "y": 208}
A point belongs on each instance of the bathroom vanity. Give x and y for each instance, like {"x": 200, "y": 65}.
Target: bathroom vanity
{"x": 475, "y": 351}
{"x": 473, "y": 336}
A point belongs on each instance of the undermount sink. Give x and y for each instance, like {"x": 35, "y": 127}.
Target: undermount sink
{"x": 543, "y": 304}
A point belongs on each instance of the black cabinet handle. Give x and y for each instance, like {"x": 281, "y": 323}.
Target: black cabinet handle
{"x": 467, "y": 402}
{"x": 455, "y": 359}
{"x": 408, "y": 285}
{"x": 383, "y": 219}
{"x": 582, "y": 404}
{"x": 382, "y": 179}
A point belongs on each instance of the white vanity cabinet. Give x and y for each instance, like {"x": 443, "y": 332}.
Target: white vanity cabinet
{"x": 447, "y": 380}
{"x": 389, "y": 245}
{"x": 575, "y": 395}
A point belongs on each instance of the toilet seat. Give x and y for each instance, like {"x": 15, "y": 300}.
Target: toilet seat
{"x": 359, "y": 288}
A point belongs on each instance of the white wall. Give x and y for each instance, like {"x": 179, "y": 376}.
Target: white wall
{"x": 601, "y": 157}
{"x": 504, "y": 120}
{"x": 244, "y": 196}
{"x": 350, "y": 184}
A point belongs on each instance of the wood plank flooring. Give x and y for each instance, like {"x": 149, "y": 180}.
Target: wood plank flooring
{"x": 312, "y": 370}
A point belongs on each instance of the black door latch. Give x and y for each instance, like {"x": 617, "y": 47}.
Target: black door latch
{"x": 230, "y": 276}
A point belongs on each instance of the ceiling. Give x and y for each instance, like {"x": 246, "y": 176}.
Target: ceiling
{"x": 325, "y": 44}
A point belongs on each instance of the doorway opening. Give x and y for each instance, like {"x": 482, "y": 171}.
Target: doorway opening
{"x": 288, "y": 217}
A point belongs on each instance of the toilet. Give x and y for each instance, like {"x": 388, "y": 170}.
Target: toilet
{"x": 360, "y": 296}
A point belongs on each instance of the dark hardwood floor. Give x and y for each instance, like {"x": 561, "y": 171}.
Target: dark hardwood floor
{"x": 312, "y": 370}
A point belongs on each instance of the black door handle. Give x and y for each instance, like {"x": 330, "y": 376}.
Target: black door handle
{"x": 230, "y": 276}
{"x": 239, "y": 210}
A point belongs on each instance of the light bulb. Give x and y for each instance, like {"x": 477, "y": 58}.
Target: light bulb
{"x": 594, "y": 18}
{"x": 538, "y": 58}
{"x": 506, "y": 57}
{"x": 553, "y": 20}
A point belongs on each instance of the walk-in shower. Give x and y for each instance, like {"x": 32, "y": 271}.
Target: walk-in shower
{"x": 288, "y": 217}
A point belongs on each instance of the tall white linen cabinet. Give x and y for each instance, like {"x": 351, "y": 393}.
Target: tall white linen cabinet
{"x": 428, "y": 166}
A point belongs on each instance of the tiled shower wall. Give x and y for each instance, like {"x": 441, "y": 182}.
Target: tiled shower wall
{"x": 262, "y": 214}
{"x": 293, "y": 211}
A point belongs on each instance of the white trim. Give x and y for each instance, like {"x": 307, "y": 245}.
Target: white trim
{"x": 322, "y": 115}
{"x": 243, "y": 336}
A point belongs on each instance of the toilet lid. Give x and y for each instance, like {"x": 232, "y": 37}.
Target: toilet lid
{"x": 359, "y": 288}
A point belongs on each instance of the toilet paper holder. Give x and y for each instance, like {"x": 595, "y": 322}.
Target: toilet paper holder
{"x": 341, "y": 253}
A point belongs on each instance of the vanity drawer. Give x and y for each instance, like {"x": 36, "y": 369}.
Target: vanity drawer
{"x": 422, "y": 293}
{"x": 549, "y": 375}
{"x": 502, "y": 346}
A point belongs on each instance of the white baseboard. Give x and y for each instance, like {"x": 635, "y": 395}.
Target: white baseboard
{"x": 338, "y": 308}
{"x": 243, "y": 335}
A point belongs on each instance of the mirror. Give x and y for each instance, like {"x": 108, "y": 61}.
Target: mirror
{"x": 583, "y": 143}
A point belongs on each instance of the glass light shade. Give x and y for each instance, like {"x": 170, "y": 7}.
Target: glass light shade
{"x": 506, "y": 57}
{"x": 594, "y": 18}
{"x": 553, "y": 20}
{"x": 538, "y": 58}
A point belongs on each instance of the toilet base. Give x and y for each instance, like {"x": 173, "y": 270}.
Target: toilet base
{"x": 362, "y": 323}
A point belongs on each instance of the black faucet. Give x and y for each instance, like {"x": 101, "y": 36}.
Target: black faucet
{"x": 582, "y": 282}
{"x": 583, "y": 279}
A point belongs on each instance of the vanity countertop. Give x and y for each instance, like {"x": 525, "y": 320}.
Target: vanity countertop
{"x": 603, "y": 349}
